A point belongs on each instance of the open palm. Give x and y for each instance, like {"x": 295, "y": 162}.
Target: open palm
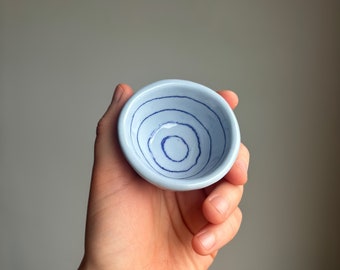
{"x": 132, "y": 224}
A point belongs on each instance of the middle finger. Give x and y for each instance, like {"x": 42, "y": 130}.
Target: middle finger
{"x": 222, "y": 201}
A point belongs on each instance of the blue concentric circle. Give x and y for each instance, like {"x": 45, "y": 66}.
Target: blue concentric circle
{"x": 179, "y": 135}
{"x": 175, "y": 148}
{"x": 185, "y": 140}
{"x": 159, "y": 124}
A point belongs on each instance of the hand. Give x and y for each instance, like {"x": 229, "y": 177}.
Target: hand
{"x": 132, "y": 224}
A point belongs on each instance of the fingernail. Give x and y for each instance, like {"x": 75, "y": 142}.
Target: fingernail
{"x": 207, "y": 240}
{"x": 220, "y": 204}
{"x": 118, "y": 93}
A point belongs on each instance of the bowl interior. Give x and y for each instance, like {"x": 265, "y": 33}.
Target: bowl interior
{"x": 178, "y": 131}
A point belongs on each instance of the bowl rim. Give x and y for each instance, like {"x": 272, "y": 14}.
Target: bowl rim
{"x": 172, "y": 183}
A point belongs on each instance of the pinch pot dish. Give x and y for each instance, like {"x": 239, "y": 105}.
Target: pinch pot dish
{"x": 179, "y": 135}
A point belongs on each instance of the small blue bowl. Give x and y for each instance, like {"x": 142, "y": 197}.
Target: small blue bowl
{"x": 179, "y": 135}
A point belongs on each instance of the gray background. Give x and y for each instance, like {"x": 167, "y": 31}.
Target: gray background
{"x": 60, "y": 61}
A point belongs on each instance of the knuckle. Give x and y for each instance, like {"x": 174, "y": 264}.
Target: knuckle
{"x": 244, "y": 151}
{"x": 235, "y": 221}
{"x": 239, "y": 214}
{"x": 101, "y": 126}
{"x": 240, "y": 190}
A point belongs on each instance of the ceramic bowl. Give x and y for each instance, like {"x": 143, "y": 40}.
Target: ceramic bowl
{"x": 179, "y": 135}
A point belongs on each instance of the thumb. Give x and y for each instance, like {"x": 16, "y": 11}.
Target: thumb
{"x": 107, "y": 149}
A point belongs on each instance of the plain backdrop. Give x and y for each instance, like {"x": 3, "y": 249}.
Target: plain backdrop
{"x": 60, "y": 61}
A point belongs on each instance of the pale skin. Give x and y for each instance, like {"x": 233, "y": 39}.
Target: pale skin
{"x": 132, "y": 224}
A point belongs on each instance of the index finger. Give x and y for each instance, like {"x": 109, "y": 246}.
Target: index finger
{"x": 238, "y": 174}
{"x": 230, "y": 97}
